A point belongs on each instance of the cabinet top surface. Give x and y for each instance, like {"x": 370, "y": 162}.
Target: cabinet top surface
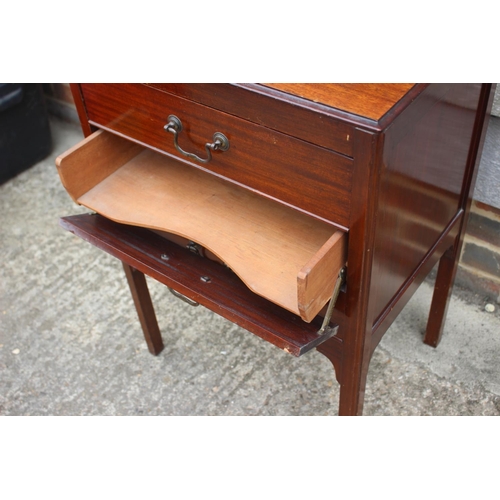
{"x": 369, "y": 100}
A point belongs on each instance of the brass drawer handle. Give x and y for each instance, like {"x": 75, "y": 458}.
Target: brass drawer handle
{"x": 220, "y": 141}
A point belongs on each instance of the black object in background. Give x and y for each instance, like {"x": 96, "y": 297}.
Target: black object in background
{"x": 24, "y": 128}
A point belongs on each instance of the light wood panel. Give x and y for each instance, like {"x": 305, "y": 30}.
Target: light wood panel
{"x": 281, "y": 254}
{"x": 314, "y": 285}
{"x": 92, "y": 160}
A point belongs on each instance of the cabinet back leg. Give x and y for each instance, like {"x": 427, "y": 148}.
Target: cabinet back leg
{"x": 441, "y": 297}
{"x": 145, "y": 310}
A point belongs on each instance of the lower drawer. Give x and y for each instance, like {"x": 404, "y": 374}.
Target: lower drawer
{"x": 283, "y": 255}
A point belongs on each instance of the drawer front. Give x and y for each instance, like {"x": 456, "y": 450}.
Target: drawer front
{"x": 257, "y": 103}
{"x": 300, "y": 174}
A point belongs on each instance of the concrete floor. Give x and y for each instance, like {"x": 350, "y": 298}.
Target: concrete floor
{"x": 71, "y": 344}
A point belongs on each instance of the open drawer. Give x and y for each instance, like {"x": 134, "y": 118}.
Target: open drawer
{"x": 281, "y": 254}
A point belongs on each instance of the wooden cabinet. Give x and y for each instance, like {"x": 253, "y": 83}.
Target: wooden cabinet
{"x": 289, "y": 195}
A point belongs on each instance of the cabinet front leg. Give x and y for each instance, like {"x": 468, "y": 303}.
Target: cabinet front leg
{"x": 352, "y": 388}
{"x": 331, "y": 350}
{"x": 351, "y": 376}
{"x": 145, "y": 310}
{"x": 441, "y": 297}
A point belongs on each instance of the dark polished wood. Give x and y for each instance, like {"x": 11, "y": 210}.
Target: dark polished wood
{"x": 418, "y": 194}
{"x": 395, "y": 167}
{"x": 80, "y": 108}
{"x": 357, "y": 350}
{"x": 441, "y": 296}
{"x": 404, "y": 294}
{"x": 183, "y": 271}
{"x": 449, "y": 261}
{"x": 145, "y": 309}
{"x": 371, "y": 100}
{"x": 309, "y": 121}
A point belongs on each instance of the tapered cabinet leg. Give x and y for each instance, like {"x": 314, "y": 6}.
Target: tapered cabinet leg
{"x": 352, "y": 390}
{"x": 441, "y": 297}
{"x": 330, "y": 350}
{"x": 350, "y": 375}
{"x": 145, "y": 310}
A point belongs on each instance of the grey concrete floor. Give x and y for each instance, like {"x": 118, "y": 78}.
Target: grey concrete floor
{"x": 71, "y": 344}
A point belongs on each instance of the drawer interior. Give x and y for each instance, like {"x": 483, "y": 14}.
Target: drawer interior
{"x": 283, "y": 255}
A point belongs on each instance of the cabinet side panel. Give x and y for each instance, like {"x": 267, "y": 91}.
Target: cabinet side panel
{"x": 80, "y": 108}
{"x": 424, "y": 162}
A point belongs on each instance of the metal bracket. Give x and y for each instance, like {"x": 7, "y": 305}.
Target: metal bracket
{"x": 336, "y": 290}
{"x": 195, "y": 248}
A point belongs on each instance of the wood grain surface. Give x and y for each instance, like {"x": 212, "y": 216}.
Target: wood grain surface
{"x": 401, "y": 186}
{"x": 92, "y": 160}
{"x": 295, "y": 172}
{"x": 370, "y": 100}
{"x": 265, "y": 243}
{"x": 224, "y": 294}
{"x": 419, "y": 192}
{"x": 259, "y": 104}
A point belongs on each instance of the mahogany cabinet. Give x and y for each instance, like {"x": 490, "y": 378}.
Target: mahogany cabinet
{"x": 308, "y": 214}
